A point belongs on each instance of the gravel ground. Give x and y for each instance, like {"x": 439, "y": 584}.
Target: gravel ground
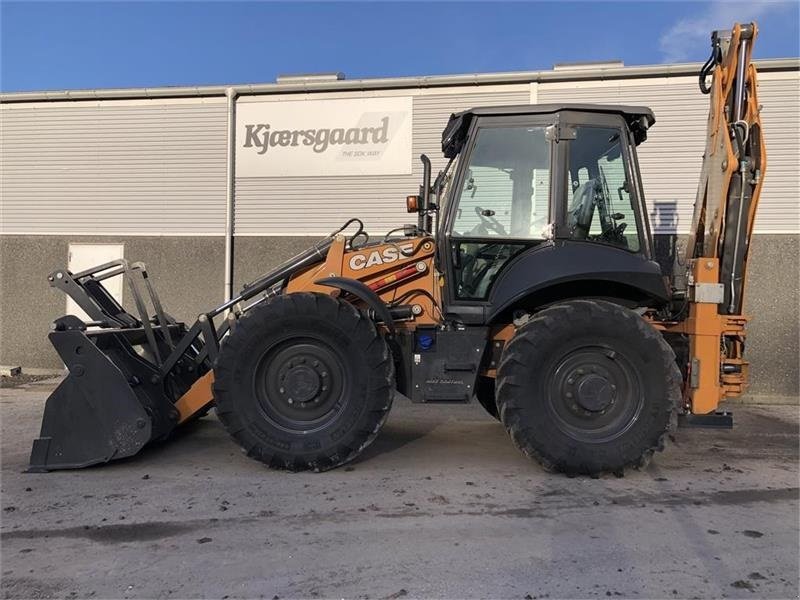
{"x": 22, "y": 379}
{"x": 441, "y": 505}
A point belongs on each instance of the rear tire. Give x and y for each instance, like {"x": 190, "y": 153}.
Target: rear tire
{"x": 587, "y": 387}
{"x": 304, "y": 382}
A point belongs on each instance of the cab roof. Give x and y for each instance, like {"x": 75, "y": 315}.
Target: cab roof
{"x": 639, "y": 119}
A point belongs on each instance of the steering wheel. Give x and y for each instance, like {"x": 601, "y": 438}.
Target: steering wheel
{"x": 488, "y": 223}
{"x": 616, "y": 235}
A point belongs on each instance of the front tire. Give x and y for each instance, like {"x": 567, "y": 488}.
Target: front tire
{"x": 304, "y": 382}
{"x": 588, "y": 387}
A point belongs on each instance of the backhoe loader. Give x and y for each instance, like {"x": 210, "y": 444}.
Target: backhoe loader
{"x": 527, "y": 283}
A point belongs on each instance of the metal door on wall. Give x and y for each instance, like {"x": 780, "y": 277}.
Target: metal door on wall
{"x": 85, "y": 256}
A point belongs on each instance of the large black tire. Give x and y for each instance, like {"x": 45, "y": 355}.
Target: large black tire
{"x": 588, "y": 387}
{"x": 304, "y": 382}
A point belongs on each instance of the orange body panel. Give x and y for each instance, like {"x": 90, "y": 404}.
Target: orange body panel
{"x": 386, "y": 268}
{"x": 197, "y": 398}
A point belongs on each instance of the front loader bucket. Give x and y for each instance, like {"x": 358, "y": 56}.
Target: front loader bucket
{"x": 128, "y": 374}
{"x": 93, "y": 416}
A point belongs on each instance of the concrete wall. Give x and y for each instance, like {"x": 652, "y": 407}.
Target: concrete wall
{"x": 188, "y": 274}
{"x": 772, "y": 301}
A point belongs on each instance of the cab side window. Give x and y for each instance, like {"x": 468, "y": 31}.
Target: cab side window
{"x": 601, "y": 207}
{"x": 506, "y": 188}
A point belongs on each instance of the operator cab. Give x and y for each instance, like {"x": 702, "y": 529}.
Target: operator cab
{"x": 536, "y": 176}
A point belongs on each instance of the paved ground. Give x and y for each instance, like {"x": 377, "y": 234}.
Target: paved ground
{"x": 442, "y": 505}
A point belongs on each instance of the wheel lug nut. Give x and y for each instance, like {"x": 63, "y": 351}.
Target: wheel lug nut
{"x": 302, "y": 360}
{"x": 316, "y": 363}
{"x": 571, "y": 380}
{"x": 282, "y": 391}
{"x": 291, "y": 401}
{"x": 569, "y": 394}
{"x": 324, "y": 388}
{"x": 580, "y": 371}
{"x": 324, "y": 373}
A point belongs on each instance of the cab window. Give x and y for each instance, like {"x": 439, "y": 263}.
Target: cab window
{"x": 502, "y": 207}
{"x": 601, "y": 207}
{"x": 506, "y": 186}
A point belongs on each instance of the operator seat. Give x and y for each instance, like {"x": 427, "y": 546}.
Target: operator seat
{"x": 581, "y": 210}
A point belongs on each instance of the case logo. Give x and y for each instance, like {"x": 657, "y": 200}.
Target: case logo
{"x": 388, "y": 255}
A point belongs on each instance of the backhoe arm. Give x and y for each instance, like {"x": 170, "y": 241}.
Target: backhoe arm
{"x": 727, "y": 196}
{"x": 733, "y": 163}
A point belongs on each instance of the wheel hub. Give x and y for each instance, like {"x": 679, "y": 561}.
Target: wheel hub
{"x": 588, "y": 386}
{"x": 301, "y": 384}
{"x": 594, "y": 393}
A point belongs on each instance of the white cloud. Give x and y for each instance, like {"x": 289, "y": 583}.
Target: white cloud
{"x": 684, "y": 39}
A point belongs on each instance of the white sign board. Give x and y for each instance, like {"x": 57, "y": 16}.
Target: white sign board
{"x": 369, "y": 136}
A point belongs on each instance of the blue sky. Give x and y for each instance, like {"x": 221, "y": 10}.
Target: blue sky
{"x": 70, "y": 45}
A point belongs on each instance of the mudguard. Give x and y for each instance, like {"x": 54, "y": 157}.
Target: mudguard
{"x": 572, "y": 261}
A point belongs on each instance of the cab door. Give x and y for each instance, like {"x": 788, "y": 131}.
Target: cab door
{"x": 499, "y": 206}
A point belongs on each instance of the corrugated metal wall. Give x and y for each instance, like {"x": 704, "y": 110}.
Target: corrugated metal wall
{"x": 317, "y": 205}
{"x": 137, "y": 167}
{"x": 157, "y": 167}
{"x": 671, "y": 157}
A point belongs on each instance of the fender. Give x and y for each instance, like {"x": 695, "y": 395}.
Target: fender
{"x": 568, "y": 261}
{"x": 359, "y": 289}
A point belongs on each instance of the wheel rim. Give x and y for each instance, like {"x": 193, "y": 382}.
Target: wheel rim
{"x": 299, "y": 384}
{"x": 595, "y": 394}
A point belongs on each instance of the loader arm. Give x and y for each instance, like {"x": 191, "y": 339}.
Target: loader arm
{"x": 730, "y": 184}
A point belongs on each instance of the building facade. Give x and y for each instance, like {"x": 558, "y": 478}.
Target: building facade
{"x": 212, "y": 186}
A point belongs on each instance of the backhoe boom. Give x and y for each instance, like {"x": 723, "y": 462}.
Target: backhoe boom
{"x": 727, "y": 197}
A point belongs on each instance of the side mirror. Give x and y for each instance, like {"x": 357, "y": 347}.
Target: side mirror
{"x": 413, "y": 204}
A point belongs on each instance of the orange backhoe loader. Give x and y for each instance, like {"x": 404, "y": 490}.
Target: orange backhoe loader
{"x": 528, "y": 283}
